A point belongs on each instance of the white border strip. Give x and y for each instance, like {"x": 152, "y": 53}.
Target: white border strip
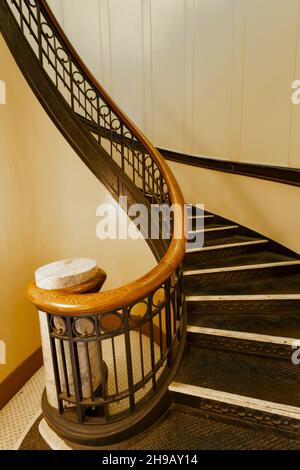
{"x": 214, "y": 229}
{"x": 242, "y": 335}
{"x": 245, "y": 267}
{"x": 208, "y": 216}
{"x": 222, "y": 298}
{"x": 229, "y": 245}
{"x": 51, "y": 438}
{"x": 238, "y": 400}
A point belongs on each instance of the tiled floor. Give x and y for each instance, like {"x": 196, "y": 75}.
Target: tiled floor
{"x": 20, "y": 413}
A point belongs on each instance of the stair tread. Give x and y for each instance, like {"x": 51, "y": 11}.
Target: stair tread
{"x": 270, "y": 284}
{"x": 260, "y": 257}
{"x": 286, "y": 325}
{"x": 184, "y": 428}
{"x": 216, "y": 226}
{"x": 263, "y": 378}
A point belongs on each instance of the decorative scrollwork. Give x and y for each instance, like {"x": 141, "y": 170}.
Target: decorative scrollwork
{"x": 91, "y": 95}
{"x": 111, "y": 322}
{"x": 32, "y": 3}
{"x": 148, "y": 162}
{"x": 139, "y": 311}
{"x": 116, "y": 125}
{"x": 47, "y": 32}
{"x": 78, "y": 78}
{"x": 159, "y": 298}
{"x": 129, "y": 137}
{"x": 84, "y": 327}
{"x": 242, "y": 345}
{"x": 104, "y": 111}
{"x": 266, "y": 418}
{"x": 62, "y": 55}
{"x": 58, "y": 325}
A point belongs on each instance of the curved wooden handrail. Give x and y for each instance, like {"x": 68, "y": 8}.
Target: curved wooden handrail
{"x": 101, "y": 302}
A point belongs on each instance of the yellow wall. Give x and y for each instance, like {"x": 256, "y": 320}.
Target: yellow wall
{"x": 48, "y": 201}
{"x": 270, "y": 208}
{"x": 18, "y": 220}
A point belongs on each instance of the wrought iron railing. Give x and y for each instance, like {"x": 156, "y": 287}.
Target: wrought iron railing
{"x": 106, "y": 365}
{"x": 86, "y": 99}
{"x": 113, "y": 353}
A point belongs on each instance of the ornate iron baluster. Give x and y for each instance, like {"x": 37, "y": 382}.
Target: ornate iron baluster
{"x": 129, "y": 359}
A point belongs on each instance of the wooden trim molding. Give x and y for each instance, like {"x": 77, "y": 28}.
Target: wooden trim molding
{"x": 279, "y": 174}
{"x": 17, "y": 379}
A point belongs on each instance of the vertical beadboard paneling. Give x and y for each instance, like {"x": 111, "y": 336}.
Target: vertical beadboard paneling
{"x": 127, "y": 56}
{"x": 168, "y": 72}
{"x": 269, "y": 59}
{"x": 105, "y": 35}
{"x": 57, "y": 7}
{"x": 294, "y": 153}
{"x": 189, "y": 61}
{"x": 209, "y": 77}
{"x": 84, "y": 35}
{"x": 147, "y": 68}
{"x": 212, "y": 85}
{"x": 239, "y": 14}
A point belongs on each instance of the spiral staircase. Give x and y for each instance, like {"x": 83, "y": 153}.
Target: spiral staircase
{"x": 214, "y": 328}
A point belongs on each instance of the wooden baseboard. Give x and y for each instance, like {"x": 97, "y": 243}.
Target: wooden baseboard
{"x": 279, "y": 174}
{"x": 15, "y": 381}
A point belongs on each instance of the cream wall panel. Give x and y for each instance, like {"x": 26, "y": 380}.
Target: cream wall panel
{"x": 104, "y": 23}
{"x": 271, "y": 29}
{"x": 237, "y": 77}
{"x": 147, "y": 68}
{"x": 209, "y": 77}
{"x": 126, "y": 29}
{"x": 294, "y": 154}
{"x": 189, "y": 76}
{"x": 168, "y": 72}
{"x": 85, "y": 35}
{"x": 213, "y": 58}
{"x": 57, "y": 7}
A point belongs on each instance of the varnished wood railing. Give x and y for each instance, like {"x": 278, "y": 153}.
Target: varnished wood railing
{"x": 128, "y": 164}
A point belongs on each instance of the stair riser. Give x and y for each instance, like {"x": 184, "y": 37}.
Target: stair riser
{"x": 191, "y": 259}
{"x": 194, "y": 224}
{"x": 216, "y": 234}
{"x": 193, "y": 210}
{"x": 244, "y": 306}
{"x": 257, "y": 348}
{"x": 202, "y": 239}
{"x": 233, "y": 412}
{"x": 274, "y": 324}
{"x": 229, "y": 277}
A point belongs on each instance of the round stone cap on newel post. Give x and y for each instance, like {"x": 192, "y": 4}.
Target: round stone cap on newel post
{"x": 69, "y": 276}
{"x": 66, "y": 273}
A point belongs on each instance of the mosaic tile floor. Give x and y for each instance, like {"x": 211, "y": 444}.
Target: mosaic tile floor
{"x": 17, "y": 417}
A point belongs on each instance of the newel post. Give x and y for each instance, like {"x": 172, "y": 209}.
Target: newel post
{"x": 80, "y": 275}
